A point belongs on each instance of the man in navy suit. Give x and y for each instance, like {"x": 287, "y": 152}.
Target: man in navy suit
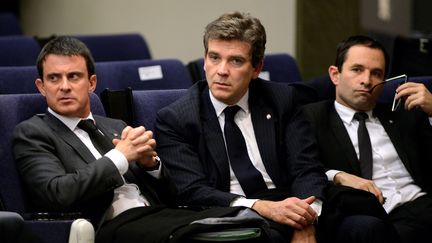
{"x": 121, "y": 186}
{"x": 399, "y": 175}
{"x": 194, "y": 142}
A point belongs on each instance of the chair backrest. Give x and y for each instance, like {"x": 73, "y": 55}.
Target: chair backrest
{"x": 146, "y": 104}
{"x": 142, "y": 75}
{"x": 9, "y": 24}
{"x": 389, "y": 89}
{"x": 18, "y": 80}
{"x": 279, "y": 67}
{"x": 16, "y": 108}
{"x": 18, "y": 50}
{"x": 411, "y": 56}
{"x": 116, "y": 47}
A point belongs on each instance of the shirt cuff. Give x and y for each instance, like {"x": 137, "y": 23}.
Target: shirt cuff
{"x": 317, "y": 206}
{"x": 119, "y": 160}
{"x": 156, "y": 173}
{"x": 244, "y": 202}
{"x": 331, "y": 174}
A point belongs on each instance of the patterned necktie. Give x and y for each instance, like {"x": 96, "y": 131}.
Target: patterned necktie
{"x": 251, "y": 180}
{"x": 100, "y": 142}
{"x": 365, "y": 147}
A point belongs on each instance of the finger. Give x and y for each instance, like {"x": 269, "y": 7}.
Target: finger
{"x": 144, "y": 138}
{"x": 125, "y": 132}
{"x": 136, "y": 132}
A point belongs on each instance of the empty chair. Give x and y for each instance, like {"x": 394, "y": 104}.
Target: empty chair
{"x": 411, "y": 56}
{"x": 18, "y": 79}
{"x": 146, "y": 103}
{"x": 279, "y": 67}
{"x": 142, "y": 74}
{"x": 9, "y": 24}
{"x": 116, "y": 47}
{"x": 14, "y": 109}
{"x": 18, "y": 51}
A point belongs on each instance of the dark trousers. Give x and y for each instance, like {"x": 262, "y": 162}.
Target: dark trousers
{"x": 413, "y": 220}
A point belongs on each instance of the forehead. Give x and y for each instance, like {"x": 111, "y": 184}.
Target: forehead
{"x": 229, "y": 47}
{"x": 365, "y": 56}
{"x": 62, "y": 63}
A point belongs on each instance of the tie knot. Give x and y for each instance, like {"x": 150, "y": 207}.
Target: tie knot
{"x": 87, "y": 125}
{"x": 361, "y": 116}
{"x": 231, "y": 111}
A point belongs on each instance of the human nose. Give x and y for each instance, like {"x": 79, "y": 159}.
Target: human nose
{"x": 222, "y": 68}
{"x": 64, "y": 84}
{"x": 366, "y": 79}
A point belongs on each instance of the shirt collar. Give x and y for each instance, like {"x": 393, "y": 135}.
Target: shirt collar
{"x": 346, "y": 113}
{"x": 220, "y": 106}
{"x": 70, "y": 122}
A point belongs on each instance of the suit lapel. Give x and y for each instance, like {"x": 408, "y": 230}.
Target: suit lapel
{"x": 393, "y": 129}
{"x": 213, "y": 136}
{"x": 343, "y": 139}
{"x": 69, "y": 137}
{"x": 264, "y": 122}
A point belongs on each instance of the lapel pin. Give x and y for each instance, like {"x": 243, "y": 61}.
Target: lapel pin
{"x": 268, "y": 116}
{"x": 391, "y": 121}
{"x": 115, "y": 134}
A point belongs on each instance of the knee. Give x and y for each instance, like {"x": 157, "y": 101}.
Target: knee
{"x": 365, "y": 228}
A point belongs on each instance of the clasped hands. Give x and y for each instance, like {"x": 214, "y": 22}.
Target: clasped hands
{"x": 137, "y": 144}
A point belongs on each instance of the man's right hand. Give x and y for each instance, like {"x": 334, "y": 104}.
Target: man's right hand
{"x": 345, "y": 179}
{"x": 292, "y": 211}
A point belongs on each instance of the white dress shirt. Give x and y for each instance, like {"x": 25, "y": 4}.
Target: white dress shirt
{"x": 244, "y": 122}
{"x": 389, "y": 173}
{"x": 126, "y": 196}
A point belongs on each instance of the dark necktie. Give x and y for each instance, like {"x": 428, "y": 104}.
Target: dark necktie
{"x": 100, "y": 142}
{"x": 365, "y": 147}
{"x": 251, "y": 180}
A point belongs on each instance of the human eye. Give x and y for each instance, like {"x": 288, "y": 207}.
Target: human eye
{"x": 237, "y": 61}
{"x": 51, "y": 78}
{"x": 74, "y": 76}
{"x": 213, "y": 57}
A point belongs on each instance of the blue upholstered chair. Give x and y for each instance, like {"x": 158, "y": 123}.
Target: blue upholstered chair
{"x": 18, "y": 50}
{"x": 9, "y": 25}
{"x": 116, "y": 47}
{"x": 146, "y": 103}
{"x": 280, "y": 67}
{"x": 18, "y": 80}
{"x": 15, "y": 108}
{"x": 142, "y": 75}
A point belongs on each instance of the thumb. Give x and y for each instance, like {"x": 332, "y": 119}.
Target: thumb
{"x": 310, "y": 199}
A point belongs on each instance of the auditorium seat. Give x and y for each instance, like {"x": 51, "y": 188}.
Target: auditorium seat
{"x": 116, "y": 47}
{"x": 9, "y": 25}
{"x": 411, "y": 56}
{"x": 51, "y": 227}
{"x": 142, "y": 75}
{"x": 18, "y": 79}
{"x": 278, "y": 67}
{"x": 18, "y": 50}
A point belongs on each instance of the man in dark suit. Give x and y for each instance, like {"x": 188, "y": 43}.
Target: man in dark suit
{"x": 108, "y": 171}
{"x": 400, "y": 140}
{"x": 194, "y": 137}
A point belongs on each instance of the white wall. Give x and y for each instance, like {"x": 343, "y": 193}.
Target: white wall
{"x": 172, "y": 28}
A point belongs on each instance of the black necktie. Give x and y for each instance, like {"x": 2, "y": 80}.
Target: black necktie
{"x": 100, "y": 142}
{"x": 365, "y": 147}
{"x": 251, "y": 180}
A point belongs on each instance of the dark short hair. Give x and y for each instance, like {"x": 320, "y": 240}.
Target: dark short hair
{"x": 358, "y": 40}
{"x": 238, "y": 26}
{"x": 65, "y": 46}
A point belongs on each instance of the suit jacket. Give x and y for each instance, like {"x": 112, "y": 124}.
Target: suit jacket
{"x": 61, "y": 174}
{"x": 191, "y": 143}
{"x": 409, "y": 131}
